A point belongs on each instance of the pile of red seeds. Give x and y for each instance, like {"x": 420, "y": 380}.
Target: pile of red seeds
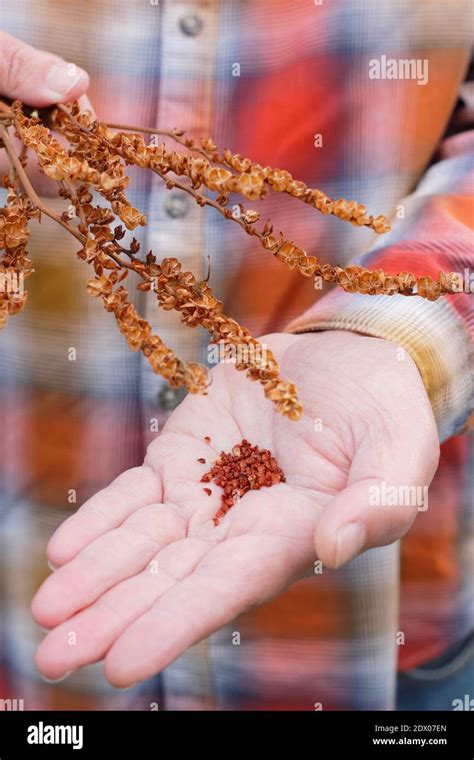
{"x": 246, "y": 468}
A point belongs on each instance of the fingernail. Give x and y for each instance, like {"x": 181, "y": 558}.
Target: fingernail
{"x": 350, "y": 540}
{"x": 56, "y": 680}
{"x": 51, "y": 566}
{"x": 62, "y": 77}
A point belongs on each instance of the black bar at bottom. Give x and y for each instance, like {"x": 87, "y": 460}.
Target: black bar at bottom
{"x": 137, "y": 734}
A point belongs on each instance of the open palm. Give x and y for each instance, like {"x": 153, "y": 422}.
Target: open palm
{"x": 143, "y": 573}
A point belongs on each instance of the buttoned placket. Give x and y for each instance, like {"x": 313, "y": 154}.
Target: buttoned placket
{"x": 186, "y": 91}
{"x": 176, "y": 228}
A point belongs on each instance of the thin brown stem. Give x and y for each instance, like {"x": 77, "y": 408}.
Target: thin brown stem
{"x": 189, "y": 144}
{"x": 73, "y": 191}
{"x": 29, "y": 189}
{"x": 202, "y": 200}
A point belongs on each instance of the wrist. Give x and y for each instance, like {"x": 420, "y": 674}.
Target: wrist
{"x": 431, "y": 333}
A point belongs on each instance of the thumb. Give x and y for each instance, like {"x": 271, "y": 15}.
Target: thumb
{"x": 36, "y": 77}
{"x": 387, "y": 487}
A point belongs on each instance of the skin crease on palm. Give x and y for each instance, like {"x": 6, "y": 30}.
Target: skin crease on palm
{"x": 142, "y": 572}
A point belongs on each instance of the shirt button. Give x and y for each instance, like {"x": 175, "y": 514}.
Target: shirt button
{"x": 176, "y": 205}
{"x": 169, "y": 398}
{"x": 191, "y": 24}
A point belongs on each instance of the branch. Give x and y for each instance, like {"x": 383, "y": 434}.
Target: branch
{"x": 29, "y": 189}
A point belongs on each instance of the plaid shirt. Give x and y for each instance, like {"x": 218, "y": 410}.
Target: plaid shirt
{"x": 263, "y": 77}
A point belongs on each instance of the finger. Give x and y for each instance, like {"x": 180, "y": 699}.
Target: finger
{"x": 87, "y": 636}
{"x": 377, "y": 510}
{"x": 235, "y": 575}
{"x": 114, "y": 556}
{"x": 36, "y": 77}
{"x": 106, "y": 510}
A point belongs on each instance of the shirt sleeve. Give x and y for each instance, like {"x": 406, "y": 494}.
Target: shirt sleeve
{"x": 435, "y": 234}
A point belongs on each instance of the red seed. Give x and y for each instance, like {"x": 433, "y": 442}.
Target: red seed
{"x": 201, "y": 460}
{"x": 244, "y": 468}
{"x": 207, "y": 438}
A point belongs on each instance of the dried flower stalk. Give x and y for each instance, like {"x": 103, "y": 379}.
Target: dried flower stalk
{"x": 253, "y": 181}
{"x": 96, "y": 161}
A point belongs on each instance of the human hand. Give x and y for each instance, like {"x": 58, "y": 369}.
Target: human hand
{"x": 142, "y": 571}
{"x": 38, "y": 78}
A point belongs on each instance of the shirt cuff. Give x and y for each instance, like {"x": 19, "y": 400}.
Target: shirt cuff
{"x": 432, "y": 332}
